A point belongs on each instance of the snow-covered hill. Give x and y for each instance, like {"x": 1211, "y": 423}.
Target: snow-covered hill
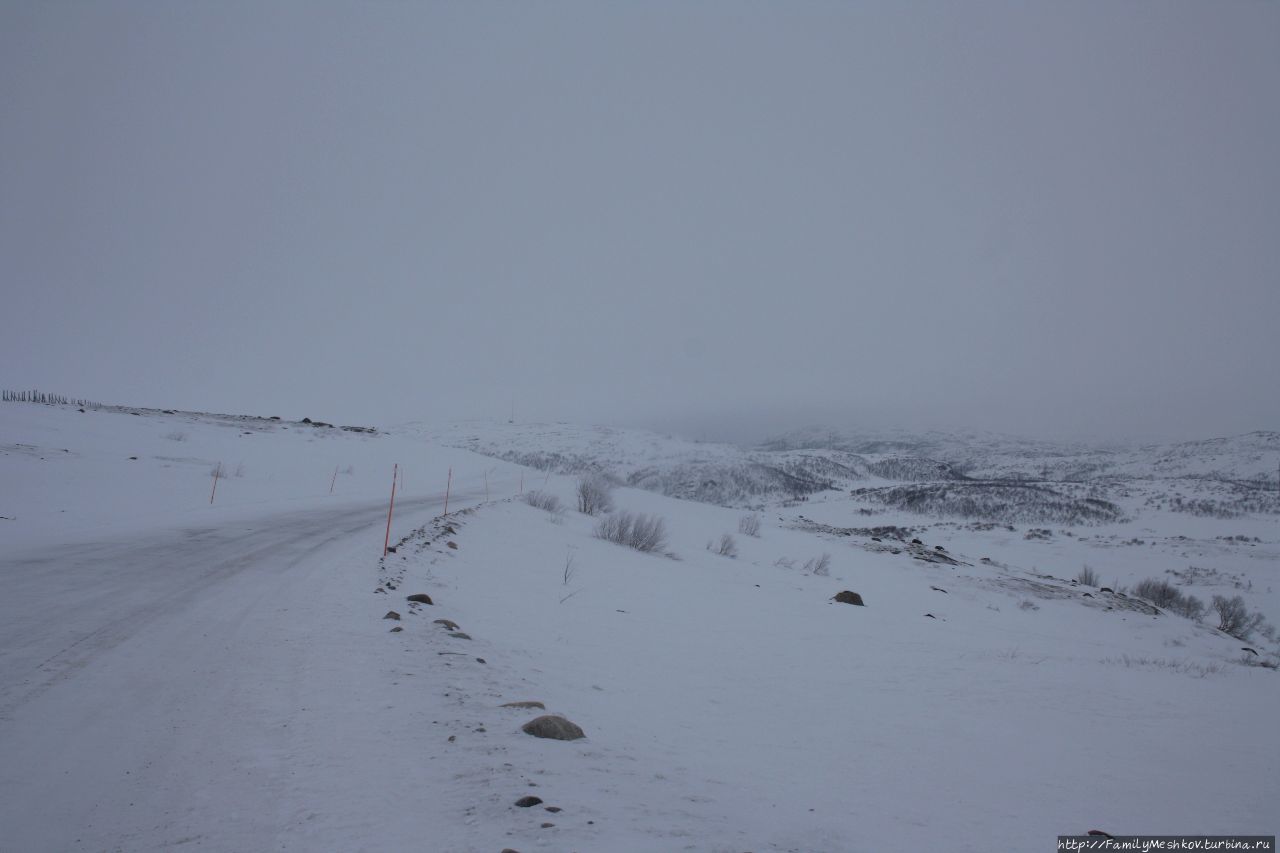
{"x": 960, "y": 475}
{"x": 984, "y": 455}
{"x": 176, "y": 674}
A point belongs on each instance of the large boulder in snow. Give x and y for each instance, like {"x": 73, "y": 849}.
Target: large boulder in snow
{"x": 847, "y": 597}
{"x": 554, "y": 727}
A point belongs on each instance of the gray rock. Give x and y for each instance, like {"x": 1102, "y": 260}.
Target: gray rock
{"x": 553, "y": 727}
{"x": 421, "y": 598}
{"x": 528, "y": 802}
{"x": 391, "y": 614}
{"x": 527, "y": 705}
{"x": 847, "y": 597}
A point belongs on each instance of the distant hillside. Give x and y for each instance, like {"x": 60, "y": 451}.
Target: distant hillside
{"x": 988, "y": 456}
{"x": 983, "y": 476}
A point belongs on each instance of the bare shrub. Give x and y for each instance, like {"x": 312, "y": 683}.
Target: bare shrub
{"x": 1234, "y": 617}
{"x": 1188, "y": 606}
{"x": 1161, "y": 593}
{"x": 1187, "y": 667}
{"x": 749, "y": 525}
{"x": 728, "y": 547}
{"x": 1158, "y": 592}
{"x": 595, "y": 494}
{"x": 1087, "y": 577}
{"x": 647, "y": 533}
{"x": 1027, "y": 604}
{"x": 542, "y": 500}
{"x": 176, "y": 435}
{"x": 820, "y": 566}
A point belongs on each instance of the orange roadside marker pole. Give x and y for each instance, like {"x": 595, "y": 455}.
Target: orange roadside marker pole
{"x": 395, "y": 472}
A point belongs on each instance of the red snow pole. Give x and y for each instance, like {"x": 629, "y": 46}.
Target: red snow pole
{"x": 217, "y": 472}
{"x": 447, "y": 486}
{"x": 395, "y": 472}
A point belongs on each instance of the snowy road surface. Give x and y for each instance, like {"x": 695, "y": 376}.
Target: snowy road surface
{"x": 148, "y": 685}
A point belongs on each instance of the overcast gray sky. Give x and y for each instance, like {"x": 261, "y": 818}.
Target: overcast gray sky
{"x": 1047, "y": 218}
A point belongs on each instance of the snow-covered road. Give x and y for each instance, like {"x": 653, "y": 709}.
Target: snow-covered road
{"x": 147, "y": 684}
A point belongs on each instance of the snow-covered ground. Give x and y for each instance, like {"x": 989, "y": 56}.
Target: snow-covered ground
{"x": 175, "y": 675}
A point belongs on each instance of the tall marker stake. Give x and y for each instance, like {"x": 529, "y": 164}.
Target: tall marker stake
{"x": 448, "y": 486}
{"x": 334, "y": 480}
{"x": 395, "y": 472}
{"x": 217, "y": 472}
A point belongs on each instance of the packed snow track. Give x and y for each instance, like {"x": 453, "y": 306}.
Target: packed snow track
{"x": 150, "y": 682}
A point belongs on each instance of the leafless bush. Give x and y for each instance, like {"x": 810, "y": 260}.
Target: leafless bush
{"x": 1158, "y": 592}
{"x": 570, "y": 569}
{"x": 595, "y": 494}
{"x": 543, "y": 501}
{"x": 647, "y": 533}
{"x": 749, "y": 525}
{"x": 728, "y": 547}
{"x": 1028, "y": 604}
{"x": 176, "y": 435}
{"x": 1234, "y": 617}
{"x": 1087, "y": 577}
{"x": 1188, "y": 606}
{"x": 240, "y": 469}
{"x": 1187, "y": 667}
{"x": 1161, "y": 593}
{"x": 820, "y": 566}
